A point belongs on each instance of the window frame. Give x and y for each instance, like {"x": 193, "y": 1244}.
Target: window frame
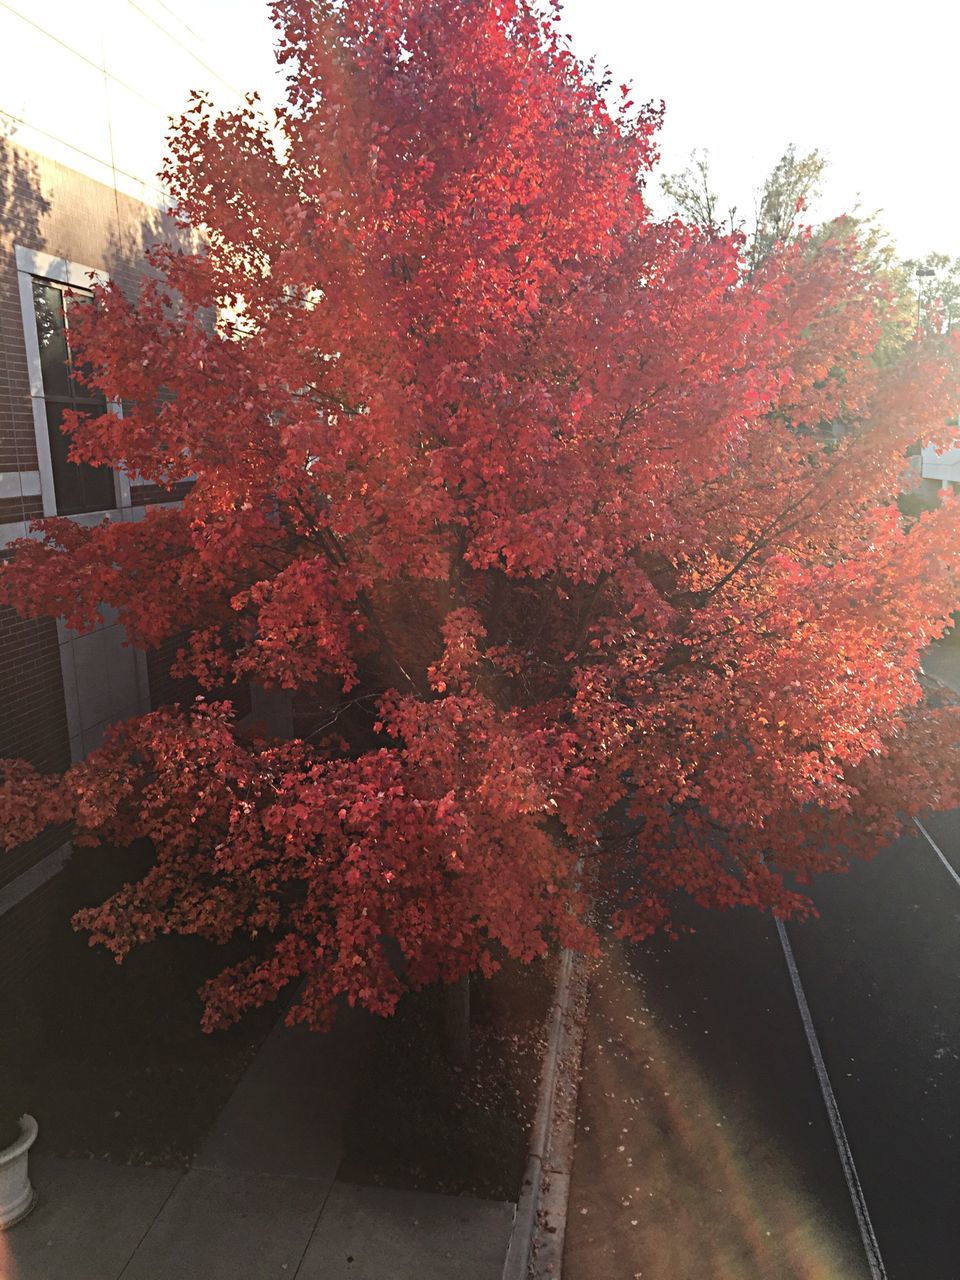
{"x": 33, "y": 265}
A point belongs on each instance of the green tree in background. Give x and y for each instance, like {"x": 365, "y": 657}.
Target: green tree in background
{"x": 789, "y": 189}
{"x": 925, "y": 291}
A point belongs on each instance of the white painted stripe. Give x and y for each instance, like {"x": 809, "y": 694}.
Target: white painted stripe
{"x": 936, "y": 849}
{"x": 870, "y": 1245}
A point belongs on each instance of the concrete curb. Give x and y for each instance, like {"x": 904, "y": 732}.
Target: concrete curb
{"x": 536, "y": 1243}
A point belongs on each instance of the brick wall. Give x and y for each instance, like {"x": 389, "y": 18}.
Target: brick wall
{"x": 33, "y": 724}
{"x": 47, "y": 208}
{"x": 22, "y": 207}
{"x": 15, "y": 510}
{"x": 165, "y": 690}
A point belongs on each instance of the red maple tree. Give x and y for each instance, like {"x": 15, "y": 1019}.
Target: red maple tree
{"x": 524, "y": 494}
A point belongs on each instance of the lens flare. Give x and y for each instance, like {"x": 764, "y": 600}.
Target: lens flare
{"x": 671, "y": 1182}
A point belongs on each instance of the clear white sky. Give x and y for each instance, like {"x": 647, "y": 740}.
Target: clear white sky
{"x": 874, "y": 87}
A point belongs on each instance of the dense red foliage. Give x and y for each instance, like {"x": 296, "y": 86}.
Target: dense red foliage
{"x": 524, "y": 493}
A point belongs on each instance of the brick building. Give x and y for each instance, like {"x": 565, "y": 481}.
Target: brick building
{"x": 84, "y": 102}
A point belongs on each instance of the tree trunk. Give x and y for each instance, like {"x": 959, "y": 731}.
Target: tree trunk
{"x": 456, "y": 1021}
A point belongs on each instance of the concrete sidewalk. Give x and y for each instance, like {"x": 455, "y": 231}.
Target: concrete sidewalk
{"x": 261, "y": 1200}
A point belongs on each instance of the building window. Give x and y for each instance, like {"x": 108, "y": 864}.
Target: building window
{"x": 79, "y": 487}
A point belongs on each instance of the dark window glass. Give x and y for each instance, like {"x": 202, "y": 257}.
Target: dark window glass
{"x": 52, "y": 335}
{"x": 79, "y": 487}
{"x": 78, "y": 388}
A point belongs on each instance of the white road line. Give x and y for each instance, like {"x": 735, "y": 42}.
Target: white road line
{"x": 936, "y": 849}
{"x": 870, "y": 1245}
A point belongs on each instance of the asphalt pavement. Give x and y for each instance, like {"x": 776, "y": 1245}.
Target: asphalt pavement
{"x": 881, "y": 968}
{"x": 704, "y": 1147}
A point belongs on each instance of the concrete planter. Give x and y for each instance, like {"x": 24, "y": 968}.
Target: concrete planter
{"x": 17, "y": 1196}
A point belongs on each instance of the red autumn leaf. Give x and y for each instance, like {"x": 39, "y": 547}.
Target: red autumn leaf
{"x": 478, "y": 411}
